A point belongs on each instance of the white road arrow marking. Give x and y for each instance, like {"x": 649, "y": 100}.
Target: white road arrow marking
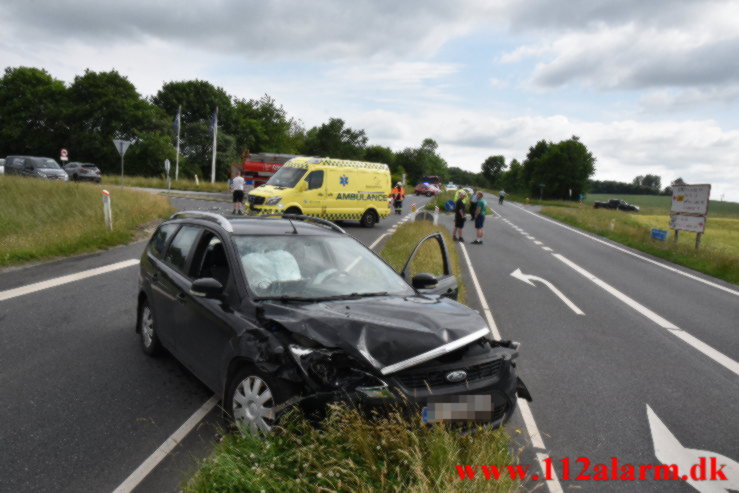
{"x": 669, "y": 451}
{"x": 528, "y": 278}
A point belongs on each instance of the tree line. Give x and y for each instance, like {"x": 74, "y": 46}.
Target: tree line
{"x": 40, "y": 115}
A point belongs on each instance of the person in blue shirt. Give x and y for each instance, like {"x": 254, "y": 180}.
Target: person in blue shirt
{"x": 480, "y": 210}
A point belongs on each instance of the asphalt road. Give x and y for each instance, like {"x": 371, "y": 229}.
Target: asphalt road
{"x": 593, "y": 375}
{"x": 82, "y": 406}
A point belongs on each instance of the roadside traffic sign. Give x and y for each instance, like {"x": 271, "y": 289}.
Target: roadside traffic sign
{"x": 166, "y": 165}
{"x": 121, "y": 145}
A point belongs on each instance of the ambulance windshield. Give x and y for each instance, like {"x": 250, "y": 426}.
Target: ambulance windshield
{"x": 286, "y": 177}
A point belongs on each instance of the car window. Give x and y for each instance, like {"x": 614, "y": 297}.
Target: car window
{"x": 160, "y": 238}
{"x": 315, "y": 179}
{"x": 179, "y": 249}
{"x": 315, "y": 266}
{"x": 210, "y": 259}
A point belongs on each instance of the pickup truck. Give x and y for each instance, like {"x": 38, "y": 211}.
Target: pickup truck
{"x": 619, "y": 204}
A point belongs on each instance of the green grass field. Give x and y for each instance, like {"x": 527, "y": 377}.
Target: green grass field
{"x": 160, "y": 182}
{"x": 656, "y": 204}
{"x": 348, "y": 451}
{"x": 40, "y": 219}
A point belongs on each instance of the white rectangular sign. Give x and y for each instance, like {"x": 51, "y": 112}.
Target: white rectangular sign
{"x": 694, "y": 224}
{"x": 692, "y": 199}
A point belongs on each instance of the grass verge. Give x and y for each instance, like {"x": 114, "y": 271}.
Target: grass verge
{"x": 349, "y": 452}
{"x": 159, "y": 182}
{"x": 718, "y": 255}
{"x": 41, "y": 219}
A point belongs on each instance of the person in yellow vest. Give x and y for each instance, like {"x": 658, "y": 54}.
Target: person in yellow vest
{"x": 398, "y": 194}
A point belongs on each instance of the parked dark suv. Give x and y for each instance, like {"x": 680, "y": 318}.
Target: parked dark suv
{"x": 271, "y": 312}
{"x": 34, "y": 167}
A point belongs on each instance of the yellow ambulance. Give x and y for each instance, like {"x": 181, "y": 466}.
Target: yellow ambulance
{"x": 332, "y": 189}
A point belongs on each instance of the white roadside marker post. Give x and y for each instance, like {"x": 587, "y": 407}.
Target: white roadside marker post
{"x": 436, "y": 215}
{"x": 107, "y": 211}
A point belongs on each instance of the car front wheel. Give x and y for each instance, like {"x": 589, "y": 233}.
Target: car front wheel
{"x": 149, "y": 339}
{"x": 252, "y": 400}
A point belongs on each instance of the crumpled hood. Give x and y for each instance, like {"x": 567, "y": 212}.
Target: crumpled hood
{"x": 380, "y": 331}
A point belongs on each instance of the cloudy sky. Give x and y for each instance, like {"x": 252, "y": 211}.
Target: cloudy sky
{"x": 649, "y": 86}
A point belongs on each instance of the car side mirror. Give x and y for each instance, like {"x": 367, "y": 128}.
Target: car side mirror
{"x": 424, "y": 280}
{"x": 206, "y": 287}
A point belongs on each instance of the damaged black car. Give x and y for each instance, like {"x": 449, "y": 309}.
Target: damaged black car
{"x": 275, "y": 312}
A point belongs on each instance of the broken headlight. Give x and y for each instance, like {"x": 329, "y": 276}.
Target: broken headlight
{"x": 334, "y": 369}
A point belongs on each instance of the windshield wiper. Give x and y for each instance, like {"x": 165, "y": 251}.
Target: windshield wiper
{"x": 350, "y": 296}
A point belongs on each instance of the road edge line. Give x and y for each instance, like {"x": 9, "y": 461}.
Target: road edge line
{"x": 691, "y": 340}
{"x": 151, "y": 462}
{"x": 528, "y": 417}
{"x": 623, "y": 249}
{"x": 59, "y": 281}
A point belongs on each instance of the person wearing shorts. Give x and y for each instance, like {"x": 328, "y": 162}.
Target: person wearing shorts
{"x": 460, "y": 215}
{"x": 481, "y": 206}
{"x": 237, "y": 187}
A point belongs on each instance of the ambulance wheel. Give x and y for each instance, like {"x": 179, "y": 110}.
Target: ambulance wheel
{"x": 293, "y": 210}
{"x": 369, "y": 219}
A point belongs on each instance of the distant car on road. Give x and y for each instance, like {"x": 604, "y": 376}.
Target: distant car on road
{"x": 427, "y": 189}
{"x": 618, "y": 204}
{"x": 35, "y": 167}
{"x": 83, "y": 172}
{"x": 451, "y": 186}
{"x": 270, "y": 312}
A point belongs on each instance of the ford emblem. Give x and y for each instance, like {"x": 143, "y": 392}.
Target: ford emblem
{"x": 456, "y": 376}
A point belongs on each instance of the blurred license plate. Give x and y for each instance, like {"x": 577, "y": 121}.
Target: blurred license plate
{"x": 458, "y": 408}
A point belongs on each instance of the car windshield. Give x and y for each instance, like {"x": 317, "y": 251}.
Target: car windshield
{"x": 286, "y": 177}
{"x": 314, "y": 268}
{"x": 47, "y": 164}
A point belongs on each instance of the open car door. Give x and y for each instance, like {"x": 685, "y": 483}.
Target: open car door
{"x": 444, "y": 284}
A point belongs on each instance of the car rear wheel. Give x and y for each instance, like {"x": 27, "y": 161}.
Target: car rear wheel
{"x": 368, "y": 219}
{"x": 252, "y": 400}
{"x": 293, "y": 210}
{"x": 149, "y": 339}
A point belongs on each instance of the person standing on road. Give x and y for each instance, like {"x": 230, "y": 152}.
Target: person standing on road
{"x": 501, "y": 197}
{"x": 480, "y": 211}
{"x": 473, "y": 203}
{"x": 237, "y": 187}
{"x": 460, "y": 215}
{"x": 398, "y": 194}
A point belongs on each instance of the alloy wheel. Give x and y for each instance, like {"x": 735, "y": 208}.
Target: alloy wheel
{"x": 252, "y": 405}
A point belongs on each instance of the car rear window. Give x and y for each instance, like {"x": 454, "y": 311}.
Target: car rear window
{"x": 179, "y": 249}
{"x": 160, "y": 238}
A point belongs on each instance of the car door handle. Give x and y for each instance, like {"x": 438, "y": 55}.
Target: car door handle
{"x": 155, "y": 277}
{"x": 320, "y": 195}
{"x": 181, "y": 297}
{"x": 330, "y": 194}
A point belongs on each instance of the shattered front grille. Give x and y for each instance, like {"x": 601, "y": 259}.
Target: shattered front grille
{"x": 437, "y": 378}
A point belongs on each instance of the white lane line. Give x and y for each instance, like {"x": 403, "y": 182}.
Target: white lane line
{"x": 633, "y": 254}
{"x": 701, "y": 346}
{"x": 528, "y": 417}
{"x": 529, "y": 237}
{"x": 377, "y": 241}
{"x": 58, "y": 281}
{"x": 165, "y": 448}
{"x": 547, "y": 249}
{"x": 537, "y": 242}
{"x": 483, "y": 301}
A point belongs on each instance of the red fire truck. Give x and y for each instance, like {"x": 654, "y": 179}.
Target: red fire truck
{"x": 259, "y": 167}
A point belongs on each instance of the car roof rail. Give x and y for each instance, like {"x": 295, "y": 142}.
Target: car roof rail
{"x": 208, "y": 216}
{"x": 300, "y": 217}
